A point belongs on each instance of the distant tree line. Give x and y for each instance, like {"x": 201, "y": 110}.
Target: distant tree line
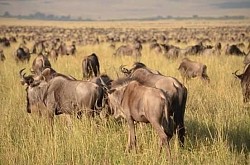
{"x": 42, "y": 16}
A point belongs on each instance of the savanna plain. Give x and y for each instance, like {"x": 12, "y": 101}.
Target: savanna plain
{"x": 216, "y": 120}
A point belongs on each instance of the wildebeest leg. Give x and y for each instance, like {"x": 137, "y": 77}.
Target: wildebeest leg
{"x": 131, "y": 138}
{"x": 180, "y": 128}
{"x": 164, "y": 138}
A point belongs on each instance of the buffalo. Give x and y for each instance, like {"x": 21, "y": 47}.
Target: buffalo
{"x": 173, "y": 89}
{"x": 39, "y": 64}
{"x": 190, "y": 69}
{"x": 135, "y": 102}
{"x": 245, "y": 83}
{"x": 62, "y": 95}
{"x": 90, "y": 66}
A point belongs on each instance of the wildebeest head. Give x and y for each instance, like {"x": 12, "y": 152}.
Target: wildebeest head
{"x": 136, "y": 66}
{"x": 245, "y": 83}
{"x": 35, "y": 90}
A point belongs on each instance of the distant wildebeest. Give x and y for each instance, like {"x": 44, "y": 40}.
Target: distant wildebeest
{"x": 39, "y": 64}
{"x": 245, "y": 83}
{"x": 234, "y": 50}
{"x": 62, "y": 95}
{"x": 190, "y": 69}
{"x": 38, "y": 47}
{"x": 195, "y": 49}
{"x": 71, "y": 49}
{"x": 130, "y": 50}
{"x": 5, "y": 42}
{"x": 22, "y": 55}
{"x": 90, "y": 66}
{"x": 138, "y": 103}
{"x": 173, "y": 89}
{"x": 64, "y": 49}
{"x": 2, "y": 56}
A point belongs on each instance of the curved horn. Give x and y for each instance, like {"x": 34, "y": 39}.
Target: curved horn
{"x": 104, "y": 84}
{"x": 97, "y": 107}
{"x": 20, "y": 73}
{"x": 124, "y": 70}
{"x": 235, "y": 73}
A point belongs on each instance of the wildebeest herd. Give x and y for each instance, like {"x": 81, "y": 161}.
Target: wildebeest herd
{"x": 142, "y": 95}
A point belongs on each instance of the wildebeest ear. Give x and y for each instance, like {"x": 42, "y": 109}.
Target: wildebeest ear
{"x": 46, "y": 72}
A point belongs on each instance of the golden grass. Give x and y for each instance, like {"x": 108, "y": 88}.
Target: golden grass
{"x": 217, "y": 123}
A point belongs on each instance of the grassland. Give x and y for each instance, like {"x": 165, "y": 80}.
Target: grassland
{"x": 217, "y": 122}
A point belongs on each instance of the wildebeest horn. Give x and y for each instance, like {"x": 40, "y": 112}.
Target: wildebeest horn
{"x": 97, "y": 107}
{"x": 20, "y": 73}
{"x": 104, "y": 84}
{"x": 124, "y": 70}
{"x": 235, "y": 73}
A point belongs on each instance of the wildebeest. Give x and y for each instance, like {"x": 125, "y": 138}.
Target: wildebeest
{"x": 2, "y": 56}
{"x": 90, "y": 66}
{"x": 195, "y": 49}
{"x": 245, "y": 83}
{"x": 173, "y": 89}
{"x": 38, "y": 47}
{"x": 135, "y": 102}
{"x": 39, "y": 64}
{"x": 247, "y": 58}
{"x": 234, "y": 50}
{"x": 130, "y": 50}
{"x": 5, "y": 42}
{"x": 190, "y": 69}
{"x": 62, "y": 95}
{"x": 21, "y": 55}
{"x": 102, "y": 78}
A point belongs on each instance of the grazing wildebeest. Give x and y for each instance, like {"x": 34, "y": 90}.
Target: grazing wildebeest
{"x": 5, "y": 42}
{"x": 90, "y": 66}
{"x": 71, "y": 49}
{"x": 130, "y": 50}
{"x": 38, "y": 47}
{"x": 2, "y": 56}
{"x": 62, "y": 95}
{"x": 234, "y": 50}
{"x": 190, "y": 69}
{"x": 135, "y": 102}
{"x": 195, "y": 49}
{"x": 173, "y": 89}
{"x": 245, "y": 83}
{"x": 21, "y": 55}
{"x": 39, "y": 64}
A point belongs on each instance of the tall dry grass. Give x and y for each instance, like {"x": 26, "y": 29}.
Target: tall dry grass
{"x": 217, "y": 123}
